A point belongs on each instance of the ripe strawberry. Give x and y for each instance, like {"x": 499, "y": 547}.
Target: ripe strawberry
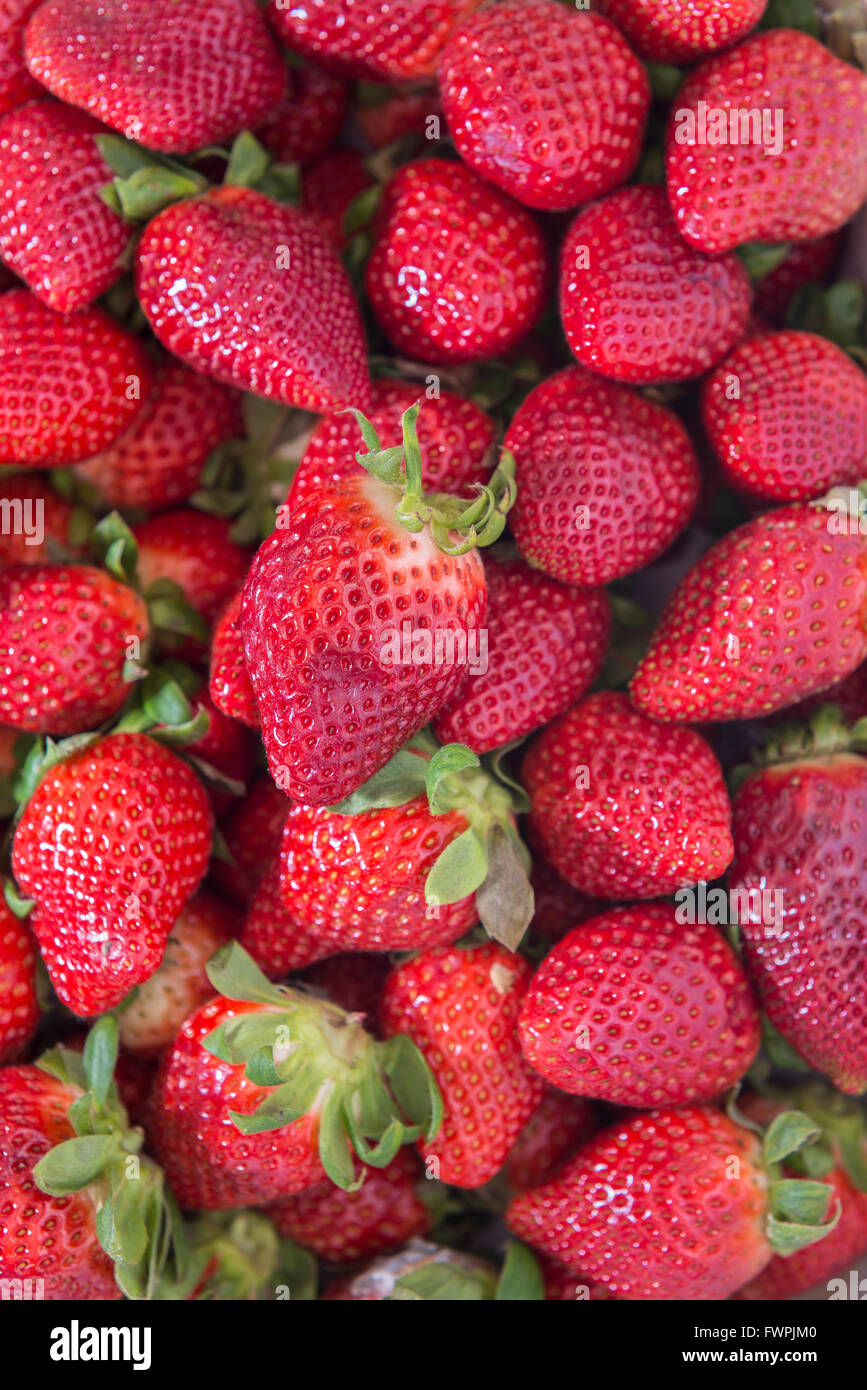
{"x": 110, "y": 871}
{"x": 557, "y": 1127}
{"x": 558, "y": 906}
{"x": 807, "y": 263}
{"x": 330, "y": 186}
{"x": 35, "y": 510}
{"x": 850, "y": 694}
{"x": 772, "y": 612}
{"x": 306, "y": 121}
{"x": 173, "y": 75}
{"x": 562, "y": 1285}
{"x": 382, "y": 42}
{"x": 179, "y": 985}
{"x": 786, "y": 414}
{"x": 352, "y": 980}
{"x": 248, "y": 291}
{"x": 573, "y": 124}
{"x": 639, "y": 1009}
{"x": 458, "y": 272}
{"x": 797, "y": 165}
{"x": 397, "y": 112}
{"x": 158, "y": 463}
{"x": 229, "y": 681}
{"x": 672, "y": 1204}
{"x": 65, "y": 634}
{"x": 70, "y": 384}
{"x": 19, "y": 1005}
{"x": 461, "y": 1008}
{"x": 16, "y": 84}
{"x": 455, "y": 437}
{"x": 679, "y": 31}
{"x": 623, "y": 806}
{"x": 607, "y": 478}
{"x": 340, "y": 1227}
{"x": 623, "y": 267}
{"x": 196, "y": 552}
{"x": 271, "y": 935}
{"x": 252, "y": 832}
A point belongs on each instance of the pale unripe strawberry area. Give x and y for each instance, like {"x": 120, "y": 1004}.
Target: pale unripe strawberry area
{"x": 433, "y": 654}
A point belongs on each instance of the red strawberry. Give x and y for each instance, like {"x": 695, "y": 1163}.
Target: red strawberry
{"x": 639, "y": 1009}
{"x": 772, "y": 612}
{"x": 572, "y": 126}
{"x": 65, "y": 633}
{"x": 679, "y": 31}
{"x": 562, "y": 1285}
{"x": 545, "y": 645}
{"x": 459, "y": 272}
{"x": 40, "y": 525}
{"x": 340, "y": 1227}
{"x": 196, "y": 552}
{"x": 229, "y": 681}
{"x": 158, "y": 462}
{"x": 19, "y": 1005}
{"x": 455, "y": 437}
{"x": 850, "y": 694}
{"x": 227, "y": 747}
{"x": 70, "y": 384}
{"x": 461, "y": 1008}
{"x": 252, "y": 832}
{"x": 807, "y": 263}
{"x": 625, "y": 807}
{"x": 330, "y": 186}
{"x": 558, "y": 906}
{"x": 395, "y": 113}
{"x": 272, "y": 936}
{"x": 786, "y": 414}
{"x": 173, "y": 75}
{"x": 672, "y": 1204}
{"x": 638, "y": 302}
{"x": 179, "y": 985}
{"x": 110, "y": 872}
{"x": 556, "y": 1128}
{"x": 352, "y": 980}
{"x": 797, "y": 165}
{"x": 607, "y": 479}
{"x": 385, "y": 42}
{"x": 248, "y": 291}
{"x": 16, "y": 84}
{"x": 304, "y": 124}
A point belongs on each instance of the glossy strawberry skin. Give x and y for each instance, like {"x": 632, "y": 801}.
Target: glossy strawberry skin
{"x": 458, "y": 271}
{"x": 65, "y": 633}
{"x": 680, "y": 31}
{"x": 209, "y": 1163}
{"x": 460, "y": 1007}
{"x": 194, "y": 550}
{"x": 799, "y": 423}
{"x": 329, "y": 188}
{"x": 305, "y": 123}
{"x": 726, "y": 194}
{"x": 546, "y": 644}
{"x": 638, "y": 303}
{"x": 173, "y": 76}
{"x": 16, "y": 84}
{"x": 252, "y": 830}
{"x": 558, "y": 1126}
{"x": 665, "y": 1008}
{"x": 606, "y": 478}
{"x": 31, "y": 496}
{"x": 352, "y": 980}
{"x": 799, "y": 828}
{"x": 110, "y": 873}
{"x": 266, "y": 304}
{"x": 49, "y": 1238}
{"x": 19, "y": 1005}
{"x": 648, "y": 1209}
{"x": 272, "y": 936}
{"x": 394, "y": 41}
{"x": 771, "y": 613}
{"x": 229, "y": 680}
{"x": 70, "y": 385}
{"x": 621, "y": 807}
{"x": 325, "y": 598}
{"x": 578, "y": 98}
{"x": 813, "y": 1267}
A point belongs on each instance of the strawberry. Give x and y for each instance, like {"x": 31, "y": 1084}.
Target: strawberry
{"x": 623, "y": 806}
{"x": 352, "y": 980}
{"x": 70, "y": 384}
{"x": 563, "y": 1285}
{"x": 305, "y": 123}
{"x": 674, "y": 1204}
{"x": 455, "y": 438}
{"x": 316, "y": 1071}
{"x": 607, "y": 478}
{"x": 573, "y": 125}
{"x": 558, "y": 906}
{"x": 850, "y": 694}
{"x": 772, "y": 612}
{"x": 248, "y": 291}
{"x": 271, "y": 934}
{"x": 340, "y": 1227}
{"x": 16, "y": 84}
{"x": 458, "y": 271}
{"x": 786, "y": 414}
{"x": 784, "y": 153}
{"x": 66, "y": 632}
{"x": 173, "y": 75}
{"x": 226, "y": 750}
{"x": 807, "y": 263}
{"x": 42, "y": 525}
{"x": 229, "y": 680}
{"x": 158, "y": 463}
{"x": 461, "y": 1008}
{"x": 625, "y": 267}
{"x": 19, "y": 1005}
{"x": 637, "y": 1009}
{"x": 382, "y": 42}
{"x": 397, "y": 112}
{"x": 109, "y": 873}
{"x": 194, "y": 551}
{"x": 546, "y": 644}
{"x": 329, "y": 188}
{"x": 557, "y": 1127}
{"x": 680, "y": 31}
{"x": 252, "y": 831}
{"x": 179, "y": 985}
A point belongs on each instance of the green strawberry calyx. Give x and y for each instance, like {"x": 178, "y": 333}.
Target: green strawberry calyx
{"x": 797, "y": 1207}
{"x": 824, "y": 734}
{"x": 488, "y": 858}
{"x": 369, "y": 1097}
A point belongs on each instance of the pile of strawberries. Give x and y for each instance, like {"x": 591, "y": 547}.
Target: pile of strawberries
{"x": 433, "y": 649}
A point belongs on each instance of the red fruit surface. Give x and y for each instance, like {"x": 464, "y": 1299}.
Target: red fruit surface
{"x": 680, "y": 31}
{"x": 271, "y": 934}
{"x": 547, "y": 103}
{"x": 34, "y": 509}
{"x": 19, "y": 1006}
{"x": 399, "y": 112}
{"x": 194, "y": 550}
{"x": 229, "y": 681}
{"x": 389, "y": 41}
{"x": 252, "y": 831}
{"x": 353, "y": 981}
{"x": 606, "y": 478}
{"x": 808, "y": 263}
{"x": 558, "y": 906}
{"x": 623, "y": 806}
{"x": 16, "y": 84}
{"x": 306, "y": 121}
{"x": 557, "y": 1127}
{"x": 329, "y": 187}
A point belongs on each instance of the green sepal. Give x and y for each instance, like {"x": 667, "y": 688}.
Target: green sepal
{"x": 74, "y": 1163}
{"x": 837, "y": 313}
{"x": 800, "y": 1200}
{"x": 413, "y": 1085}
{"x": 100, "y": 1058}
{"x": 787, "y": 1133}
{"x": 334, "y": 1148}
{"x": 441, "y": 1282}
{"x": 792, "y": 14}
{"x": 42, "y": 757}
{"x": 18, "y": 906}
{"x": 248, "y": 161}
{"x": 760, "y": 258}
{"x": 146, "y": 192}
{"x": 361, "y": 210}
{"x": 451, "y": 758}
{"x": 787, "y": 1237}
{"x": 209, "y": 774}
{"x": 401, "y": 780}
{"x": 460, "y": 869}
{"x": 665, "y": 80}
{"x": 505, "y": 901}
{"x": 520, "y": 1278}
{"x": 115, "y": 546}
{"x": 234, "y": 974}
{"x": 170, "y": 612}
